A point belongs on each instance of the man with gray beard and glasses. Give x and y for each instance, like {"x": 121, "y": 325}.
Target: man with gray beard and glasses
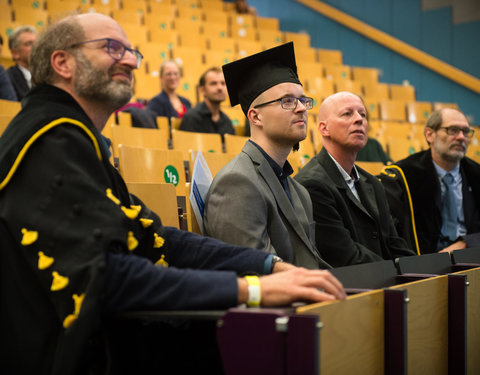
{"x": 439, "y": 188}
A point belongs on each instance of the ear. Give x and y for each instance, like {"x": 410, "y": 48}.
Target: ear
{"x": 254, "y": 117}
{"x": 323, "y": 128}
{"x": 429, "y": 135}
{"x": 15, "y": 54}
{"x": 63, "y": 63}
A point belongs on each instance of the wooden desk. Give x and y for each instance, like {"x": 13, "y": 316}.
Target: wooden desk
{"x": 352, "y": 335}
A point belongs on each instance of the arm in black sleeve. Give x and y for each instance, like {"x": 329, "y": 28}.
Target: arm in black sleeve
{"x": 190, "y": 250}
{"x": 134, "y": 283}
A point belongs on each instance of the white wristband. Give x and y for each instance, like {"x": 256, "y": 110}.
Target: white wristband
{"x": 254, "y": 293}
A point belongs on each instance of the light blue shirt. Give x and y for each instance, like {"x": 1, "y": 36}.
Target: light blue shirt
{"x": 350, "y": 180}
{"x": 457, "y": 190}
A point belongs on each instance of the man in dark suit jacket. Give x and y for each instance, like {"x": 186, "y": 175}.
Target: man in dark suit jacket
{"x": 20, "y": 43}
{"x": 252, "y": 200}
{"x": 353, "y": 221}
{"x": 449, "y": 134}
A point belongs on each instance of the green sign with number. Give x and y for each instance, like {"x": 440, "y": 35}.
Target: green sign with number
{"x": 170, "y": 174}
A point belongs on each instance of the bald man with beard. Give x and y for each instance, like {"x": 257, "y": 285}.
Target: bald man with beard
{"x": 353, "y": 221}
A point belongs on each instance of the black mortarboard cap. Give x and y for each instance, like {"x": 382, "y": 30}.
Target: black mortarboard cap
{"x": 249, "y": 77}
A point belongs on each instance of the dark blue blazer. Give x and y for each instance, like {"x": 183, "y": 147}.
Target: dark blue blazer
{"x": 161, "y": 105}
{"x": 18, "y": 81}
{"x": 6, "y": 89}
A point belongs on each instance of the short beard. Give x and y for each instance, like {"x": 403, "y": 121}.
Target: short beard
{"x": 95, "y": 84}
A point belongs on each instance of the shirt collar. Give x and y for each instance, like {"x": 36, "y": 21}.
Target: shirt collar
{"x": 284, "y": 172}
{"x": 455, "y": 172}
{"x": 354, "y": 177}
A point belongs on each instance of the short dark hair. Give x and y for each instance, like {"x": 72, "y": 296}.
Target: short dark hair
{"x": 202, "y": 80}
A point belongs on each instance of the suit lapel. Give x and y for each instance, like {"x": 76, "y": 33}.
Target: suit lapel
{"x": 367, "y": 195}
{"x": 294, "y": 212}
{"x": 327, "y": 163}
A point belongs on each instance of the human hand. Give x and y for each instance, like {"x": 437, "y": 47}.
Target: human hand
{"x": 454, "y": 246}
{"x": 295, "y": 285}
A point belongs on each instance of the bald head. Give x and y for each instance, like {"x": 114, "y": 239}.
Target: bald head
{"x": 343, "y": 123}
{"x": 333, "y": 101}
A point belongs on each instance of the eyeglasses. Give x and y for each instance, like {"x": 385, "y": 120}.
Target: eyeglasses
{"x": 290, "y": 102}
{"x": 115, "y": 49}
{"x": 454, "y": 130}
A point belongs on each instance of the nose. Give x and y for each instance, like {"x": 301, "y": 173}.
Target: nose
{"x": 358, "y": 118}
{"x": 130, "y": 59}
{"x": 461, "y": 136}
{"x": 300, "y": 107}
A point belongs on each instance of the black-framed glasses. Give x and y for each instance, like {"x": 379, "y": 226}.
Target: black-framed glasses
{"x": 454, "y": 130}
{"x": 290, "y": 102}
{"x": 115, "y": 49}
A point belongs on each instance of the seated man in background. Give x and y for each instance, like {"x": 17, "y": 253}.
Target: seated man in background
{"x": 207, "y": 117}
{"x": 20, "y": 42}
{"x": 6, "y": 88}
{"x": 353, "y": 222}
{"x": 252, "y": 201}
{"x": 444, "y": 187}
{"x": 168, "y": 103}
{"x": 76, "y": 247}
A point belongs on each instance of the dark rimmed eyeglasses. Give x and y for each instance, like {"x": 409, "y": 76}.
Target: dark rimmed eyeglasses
{"x": 290, "y": 102}
{"x": 115, "y": 49}
{"x": 454, "y": 130}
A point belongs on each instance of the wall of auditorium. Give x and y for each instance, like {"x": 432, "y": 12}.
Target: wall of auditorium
{"x": 431, "y": 31}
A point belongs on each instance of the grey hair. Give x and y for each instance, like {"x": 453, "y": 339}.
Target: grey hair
{"x": 14, "y": 37}
{"x": 58, "y": 36}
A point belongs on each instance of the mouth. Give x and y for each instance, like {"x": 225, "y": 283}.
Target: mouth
{"x": 299, "y": 122}
{"x": 361, "y": 132}
{"x": 457, "y": 146}
{"x": 123, "y": 75}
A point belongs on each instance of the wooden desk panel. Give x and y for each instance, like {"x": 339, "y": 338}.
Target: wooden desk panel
{"x": 352, "y": 337}
{"x": 427, "y": 326}
{"x": 473, "y": 320}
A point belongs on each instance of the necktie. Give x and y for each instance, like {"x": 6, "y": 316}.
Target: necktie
{"x": 449, "y": 209}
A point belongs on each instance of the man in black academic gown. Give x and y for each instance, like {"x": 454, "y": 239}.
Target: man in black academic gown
{"x": 77, "y": 248}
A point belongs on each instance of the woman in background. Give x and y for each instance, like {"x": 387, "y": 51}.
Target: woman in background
{"x": 168, "y": 103}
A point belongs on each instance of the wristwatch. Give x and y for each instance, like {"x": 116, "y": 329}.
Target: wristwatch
{"x": 275, "y": 259}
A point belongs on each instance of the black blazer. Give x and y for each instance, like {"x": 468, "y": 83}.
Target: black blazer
{"x": 347, "y": 231}
{"x": 425, "y": 190}
{"x": 18, "y": 81}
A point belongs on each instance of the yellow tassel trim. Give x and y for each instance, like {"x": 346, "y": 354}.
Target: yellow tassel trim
{"x": 162, "y": 262}
{"x": 131, "y": 212}
{"x": 112, "y": 197}
{"x": 146, "y": 222}
{"x": 158, "y": 241}
{"x": 44, "y": 261}
{"x": 29, "y": 237}
{"x": 132, "y": 242}
{"x": 78, "y": 299}
{"x": 59, "y": 282}
{"x": 68, "y": 321}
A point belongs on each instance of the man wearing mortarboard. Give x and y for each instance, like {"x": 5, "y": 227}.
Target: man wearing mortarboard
{"x": 253, "y": 201}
